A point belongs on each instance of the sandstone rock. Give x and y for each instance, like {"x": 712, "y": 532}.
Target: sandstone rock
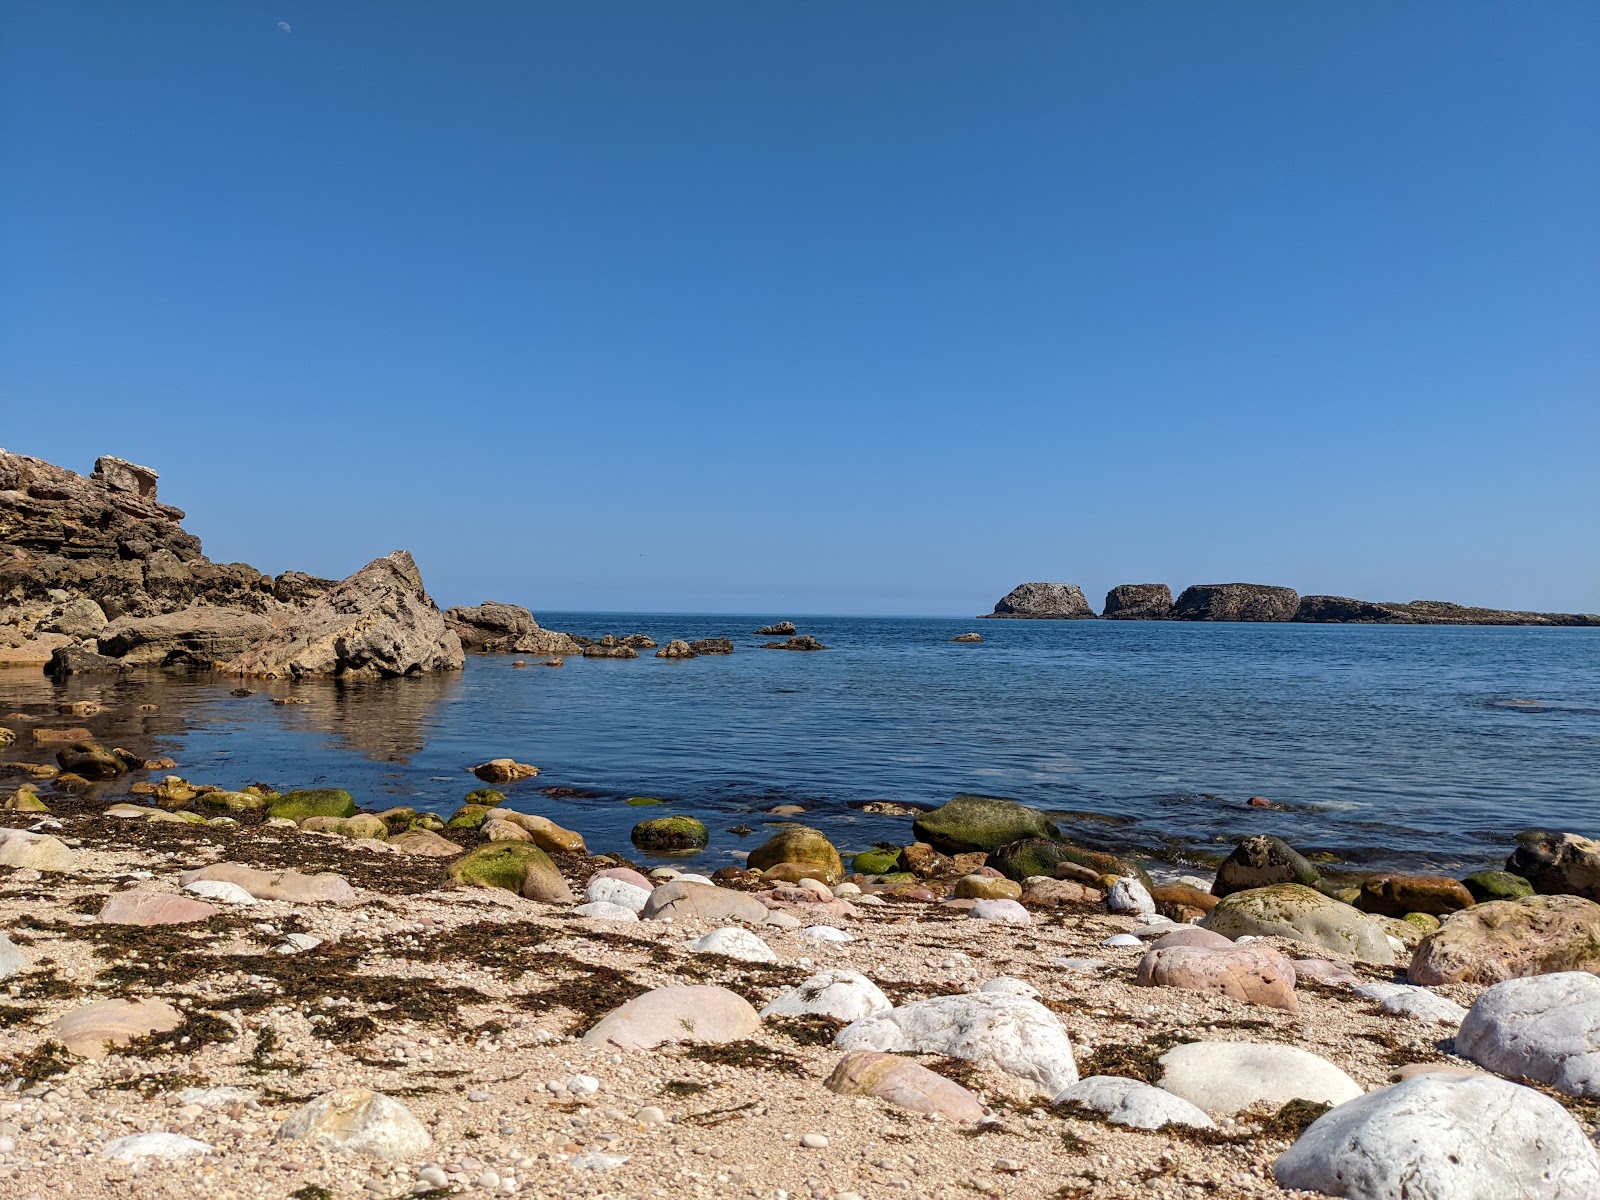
{"x": 357, "y": 1121}
{"x": 677, "y": 648}
{"x": 1236, "y": 602}
{"x": 89, "y": 1030}
{"x": 986, "y": 887}
{"x": 1444, "y": 1137}
{"x": 504, "y": 770}
{"x": 291, "y": 885}
{"x": 1331, "y": 974}
{"x": 424, "y": 842}
{"x": 1002, "y": 912}
{"x": 1138, "y": 602}
{"x": 90, "y": 760}
{"x": 141, "y": 906}
{"x": 733, "y": 942}
{"x": 609, "y": 647}
{"x": 1561, "y": 864}
{"x": 843, "y": 995}
{"x": 670, "y": 833}
{"x": 378, "y": 623}
{"x": 981, "y": 823}
{"x": 1179, "y": 901}
{"x": 545, "y": 833}
{"x": 625, "y": 874}
{"x": 1252, "y": 974}
{"x": 679, "y": 899}
{"x": 1134, "y": 1104}
{"x": 1192, "y": 935}
{"x": 56, "y": 737}
{"x": 778, "y": 629}
{"x": 1505, "y": 939}
{"x": 1292, "y": 911}
{"x": 799, "y": 844}
{"x": 1397, "y": 895}
{"x": 1403, "y": 1000}
{"x": 496, "y": 628}
{"x": 204, "y": 636}
{"x": 34, "y": 851}
{"x": 697, "y": 1013}
{"x": 1545, "y": 1028}
{"x": 1018, "y": 1035}
{"x": 1058, "y": 893}
{"x": 1262, "y": 861}
{"x": 80, "y": 618}
{"x": 1228, "y": 1077}
{"x": 905, "y": 1084}
{"x": 74, "y": 660}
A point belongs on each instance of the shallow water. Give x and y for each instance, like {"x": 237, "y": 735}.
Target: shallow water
{"x": 1393, "y": 746}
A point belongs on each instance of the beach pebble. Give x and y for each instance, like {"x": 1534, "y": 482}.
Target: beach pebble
{"x": 1069, "y": 963}
{"x": 1019, "y": 1036}
{"x": 1128, "y": 895}
{"x": 732, "y": 942}
{"x": 601, "y": 910}
{"x": 1132, "y": 1103}
{"x": 595, "y": 1161}
{"x": 1545, "y": 1028}
{"x": 1334, "y": 974}
{"x": 844, "y": 995}
{"x": 295, "y": 943}
{"x": 219, "y": 1097}
{"x": 1229, "y": 1077}
{"x": 433, "y": 1176}
{"x": 813, "y": 1141}
{"x": 846, "y": 890}
{"x": 1405, "y": 1000}
{"x": 650, "y": 1115}
{"x": 153, "y": 1145}
{"x": 582, "y": 1085}
{"x": 1004, "y": 912}
{"x": 778, "y": 919}
{"x": 1448, "y": 1137}
{"x": 358, "y": 1121}
{"x": 826, "y": 933}
{"x": 1122, "y": 939}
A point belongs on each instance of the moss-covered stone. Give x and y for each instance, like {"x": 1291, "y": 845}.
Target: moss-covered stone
{"x": 1028, "y": 857}
{"x": 875, "y": 862}
{"x": 670, "y": 833}
{"x": 25, "y": 799}
{"x": 488, "y": 797}
{"x": 234, "y": 801}
{"x": 986, "y": 887}
{"x": 362, "y": 825}
{"x": 425, "y": 821}
{"x": 1302, "y": 914}
{"x": 644, "y": 801}
{"x": 1496, "y": 885}
{"x": 313, "y": 802}
{"x": 801, "y": 845}
{"x": 469, "y": 816}
{"x": 1426, "y": 922}
{"x": 970, "y": 822}
{"x": 519, "y": 867}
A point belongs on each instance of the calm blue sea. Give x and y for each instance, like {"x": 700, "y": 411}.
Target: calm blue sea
{"x": 1391, "y": 746}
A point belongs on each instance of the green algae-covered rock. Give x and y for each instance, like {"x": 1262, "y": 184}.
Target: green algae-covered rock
{"x": 1496, "y": 885}
{"x": 425, "y": 821}
{"x": 313, "y": 802}
{"x": 1261, "y": 862}
{"x": 519, "y": 867}
{"x": 981, "y": 823}
{"x": 1302, "y": 914}
{"x": 469, "y": 816}
{"x": 1028, "y": 857}
{"x": 875, "y": 862}
{"x": 802, "y": 845}
{"x": 243, "y": 801}
{"x": 1426, "y": 922}
{"x": 487, "y": 797}
{"x": 25, "y": 799}
{"x": 644, "y": 801}
{"x": 362, "y": 825}
{"x": 670, "y": 833}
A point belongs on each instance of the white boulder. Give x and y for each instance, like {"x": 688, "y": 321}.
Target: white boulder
{"x": 844, "y": 995}
{"x": 1544, "y": 1028}
{"x": 1229, "y": 1077}
{"x": 220, "y": 890}
{"x": 357, "y": 1121}
{"x": 139, "y": 1146}
{"x": 732, "y": 942}
{"x": 1408, "y": 1000}
{"x": 1135, "y": 1104}
{"x": 1128, "y": 895}
{"x": 693, "y": 1013}
{"x": 608, "y": 890}
{"x": 604, "y": 910}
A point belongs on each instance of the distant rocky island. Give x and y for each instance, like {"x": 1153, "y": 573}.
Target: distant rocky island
{"x": 1253, "y": 602}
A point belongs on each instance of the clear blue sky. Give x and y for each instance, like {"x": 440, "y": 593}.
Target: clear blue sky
{"x": 823, "y": 307}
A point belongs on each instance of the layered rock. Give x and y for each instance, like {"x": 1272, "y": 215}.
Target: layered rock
{"x": 1044, "y": 601}
{"x": 1236, "y": 602}
{"x": 496, "y": 628}
{"x": 1138, "y": 602}
{"x": 1344, "y": 610}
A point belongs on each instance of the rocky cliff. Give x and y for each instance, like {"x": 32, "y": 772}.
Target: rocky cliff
{"x": 1343, "y": 610}
{"x": 98, "y": 574}
{"x": 1138, "y": 602}
{"x": 1044, "y": 601}
{"x": 1236, "y": 602}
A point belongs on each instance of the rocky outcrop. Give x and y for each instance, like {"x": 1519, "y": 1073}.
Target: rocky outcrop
{"x": 1044, "y": 601}
{"x": 1343, "y": 610}
{"x": 379, "y": 623}
{"x": 1236, "y": 602}
{"x": 496, "y": 628}
{"x": 97, "y": 575}
{"x": 1138, "y": 602}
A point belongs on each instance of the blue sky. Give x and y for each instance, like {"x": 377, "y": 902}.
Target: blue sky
{"x": 833, "y": 307}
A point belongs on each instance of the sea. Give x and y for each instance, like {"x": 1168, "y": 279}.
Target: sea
{"x": 1379, "y": 747}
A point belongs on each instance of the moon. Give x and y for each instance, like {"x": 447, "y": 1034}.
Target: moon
{"x": 284, "y": 25}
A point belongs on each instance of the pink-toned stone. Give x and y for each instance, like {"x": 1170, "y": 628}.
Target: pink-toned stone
{"x": 1253, "y": 974}
{"x": 696, "y": 1013}
{"x": 143, "y": 906}
{"x": 424, "y": 842}
{"x": 322, "y": 888}
{"x": 1192, "y": 935}
{"x": 904, "y": 1083}
{"x": 88, "y": 1030}
{"x": 626, "y": 874}
{"x": 1322, "y": 970}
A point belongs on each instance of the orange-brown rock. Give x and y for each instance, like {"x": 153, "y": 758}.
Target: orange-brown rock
{"x": 1397, "y": 895}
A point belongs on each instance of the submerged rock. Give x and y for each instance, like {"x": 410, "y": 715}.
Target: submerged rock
{"x": 970, "y": 822}
{"x": 777, "y": 629}
{"x": 314, "y": 802}
{"x": 670, "y": 833}
{"x": 714, "y": 645}
{"x": 804, "y": 642}
{"x": 1044, "y": 601}
{"x": 496, "y": 628}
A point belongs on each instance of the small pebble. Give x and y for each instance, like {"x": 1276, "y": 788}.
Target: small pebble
{"x": 813, "y": 1141}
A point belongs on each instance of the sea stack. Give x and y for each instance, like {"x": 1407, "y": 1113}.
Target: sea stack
{"x": 1138, "y": 602}
{"x": 1044, "y": 602}
{"x": 1236, "y": 602}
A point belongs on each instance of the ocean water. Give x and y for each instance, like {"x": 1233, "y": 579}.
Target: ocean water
{"x": 1401, "y": 747}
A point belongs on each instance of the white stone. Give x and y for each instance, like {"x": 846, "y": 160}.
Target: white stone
{"x": 1445, "y": 1137}
{"x": 650, "y": 1115}
{"x": 12, "y": 959}
{"x": 1407, "y": 1000}
{"x": 1128, "y": 895}
{"x": 219, "y": 890}
{"x": 1122, "y": 939}
{"x": 218, "y": 1097}
{"x": 1544, "y": 1028}
{"x": 358, "y": 1121}
{"x": 816, "y": 887}
{"x": 844, "y": 995}
{"x": 813, "y": 1141}
{"x": 1005, "y": 985}
{"x": 582, "y": 1085}
{"x": 1006, "y": 912}
{"x": 690, "y": 1013}
{"x": 692, "y": 877}
{"x": 294, "y": 943}
{"x": 846, "y": 890}
{"x": 868, "y": 899}
{"x": 153, "y": 1145}
{"x": 608, "y": 890}
{"x": 40, "y": 852}
{"x": 779, "y": 919}
{"x": 1229, "y": 1077}
{"x": 595, "y": 1161}
{"x": 1070, "y": 963}
{"x": 1019, "y": 1036}
{"x": 604, "y": 910}
{"x": 1135, "y": 1104}
{"x": 733, "y": 942}
{"x": 826, "y": 933}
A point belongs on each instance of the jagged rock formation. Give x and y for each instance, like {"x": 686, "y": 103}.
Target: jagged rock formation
{"x": 1236, "y": 602}
{"x": 496, "y": 628}
{"x": 97, "y": 574}
{"x": 1343, "y": 610}
{"x": 1138, "y": 602}
{"x": 1044, "y": 601}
